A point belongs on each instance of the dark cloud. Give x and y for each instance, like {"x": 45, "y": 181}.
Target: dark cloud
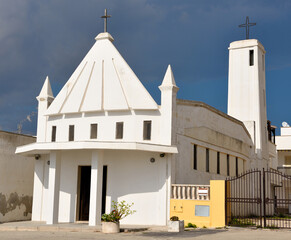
{"x": 40, "y": 38}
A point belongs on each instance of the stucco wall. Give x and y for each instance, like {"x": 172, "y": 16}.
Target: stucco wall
{"x": 132, "y": 129}
{"x": 284, "y": 158}
{"x": 206, "y": 127}
{"x": 131, "y": 177}
{"x": 16, "y": 178}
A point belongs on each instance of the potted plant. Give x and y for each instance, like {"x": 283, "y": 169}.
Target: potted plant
{"x": 110, "y": 222}
{"x": 175, "y": 225}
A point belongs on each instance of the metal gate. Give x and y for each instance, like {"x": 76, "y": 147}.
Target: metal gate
{"x": 260, "y": 198}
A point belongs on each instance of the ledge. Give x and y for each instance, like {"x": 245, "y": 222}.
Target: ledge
{"x": 45, "y": 148}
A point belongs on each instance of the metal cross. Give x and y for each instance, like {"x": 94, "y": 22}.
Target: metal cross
{"x": 105, "y": 19}
{"x": 247, "y": 25}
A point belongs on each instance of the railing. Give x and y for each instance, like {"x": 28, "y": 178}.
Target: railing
{"x": 190, "y": 192}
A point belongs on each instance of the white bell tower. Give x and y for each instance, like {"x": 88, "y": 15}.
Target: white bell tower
{"x": 247, "y": 92}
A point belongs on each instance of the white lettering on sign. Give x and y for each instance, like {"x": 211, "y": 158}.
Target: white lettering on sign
{"x": 202, "y": 191}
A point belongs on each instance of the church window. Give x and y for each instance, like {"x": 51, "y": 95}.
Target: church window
{"x": 71, "y": 132}
{"x": 147, "y": 128}
{"x": 54, "y": 131}
{"x": 227, "y": 164}
{"x": 119, "y": 130}
{"x": 195, "y": 157}
{"x": 236, "y": 166}
{"x": 218, "y": 162}
{"x": 251, "y": 57}
{"x": 207, "y": 159}
{"x": 94, "y": 130}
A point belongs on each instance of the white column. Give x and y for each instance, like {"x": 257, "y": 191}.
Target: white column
{"x": 38, "y": 189}
{"x": 169, "y": 186}
{"x": 96, "y": 188}
{"x": 54, "y": 188}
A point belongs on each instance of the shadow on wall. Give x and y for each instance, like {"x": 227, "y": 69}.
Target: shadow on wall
{"x": 14, "y": 201}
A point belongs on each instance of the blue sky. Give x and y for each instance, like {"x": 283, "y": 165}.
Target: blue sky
{"x": 40, "y": 38}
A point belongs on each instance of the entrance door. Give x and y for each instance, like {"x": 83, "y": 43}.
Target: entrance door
{"x": 84, "y": 192}
{"x": 104, "y": 189}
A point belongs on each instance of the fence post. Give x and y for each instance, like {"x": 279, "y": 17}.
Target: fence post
{"x": 225, "y": 197}
{"x": 264, "y": 199}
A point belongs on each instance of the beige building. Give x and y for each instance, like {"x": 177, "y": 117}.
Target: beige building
{"x": 16, "y": 178}
{"x": 283, "y": 143}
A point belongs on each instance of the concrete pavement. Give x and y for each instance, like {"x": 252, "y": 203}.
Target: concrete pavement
{"x": 152, "y": 234}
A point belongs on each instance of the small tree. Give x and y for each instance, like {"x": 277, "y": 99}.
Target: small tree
{"x": 120, "y": 211}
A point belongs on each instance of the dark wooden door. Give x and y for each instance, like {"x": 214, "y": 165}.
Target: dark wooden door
{"x": 85, "y": 180}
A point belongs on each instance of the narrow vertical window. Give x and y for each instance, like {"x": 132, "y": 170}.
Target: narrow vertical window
{"x": 147, "y": 129}
{"x": 236, "y": 166}
{"x": 227, "y": 164}
{"x": 54, "y": 131}
{"x": 263, "y": 61}
{"x": 119, "y": 130}
{"x": 195, "y": 156}
{"x": 218, "y": 163}
{"x": 94, "y": 129}
{"x": 71, "y": 133}
{"x": 207, "y": 159}
{"x": 251, "y": 57}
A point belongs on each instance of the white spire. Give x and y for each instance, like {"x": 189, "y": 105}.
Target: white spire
{"x": 169, "y": 80}
{"x": 102, "y": 82}
{"x": 104, "y": 35}
{"x": 46, "y": 90}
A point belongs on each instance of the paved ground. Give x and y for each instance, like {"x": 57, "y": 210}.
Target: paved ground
{"x": 217, "y": 234}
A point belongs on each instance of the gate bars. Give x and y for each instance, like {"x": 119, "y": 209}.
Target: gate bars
{"x": 260, "y": 198}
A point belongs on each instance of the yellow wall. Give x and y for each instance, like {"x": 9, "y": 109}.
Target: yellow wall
{"x": 185, "y": 209}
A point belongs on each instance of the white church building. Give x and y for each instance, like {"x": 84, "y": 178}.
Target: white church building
{"x": 104, "y": 138}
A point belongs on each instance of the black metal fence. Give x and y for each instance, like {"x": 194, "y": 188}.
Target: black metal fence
{"x": 260, "y": 198}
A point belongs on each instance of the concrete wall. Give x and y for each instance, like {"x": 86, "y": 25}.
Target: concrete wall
{"x": 16, "y": 178}
{"x": 206, "y": 127}
{"x": 283, "y": 150}
{"x": 131, "y": 177}
{"x": 185, "y": 209}
{"x": 284, "y": 159}
{"x": 132, "y": 129}
{"x": 247, "y": 93}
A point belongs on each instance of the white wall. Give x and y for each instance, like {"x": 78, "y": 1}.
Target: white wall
{"x": 132, "y": 129}
{"x": 16, "y": 178}
{"x": 200, "y": 124}
{"x": 131, "y": 177}
{"x": 247, "y": 92}
{"x": 285, "y": 131}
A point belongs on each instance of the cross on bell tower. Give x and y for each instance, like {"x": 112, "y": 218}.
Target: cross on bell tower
{"x": 105, "y": 19}
{"x": 247, "y": 25}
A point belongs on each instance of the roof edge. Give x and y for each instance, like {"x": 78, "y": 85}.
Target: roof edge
{"x": 204, "y": 105}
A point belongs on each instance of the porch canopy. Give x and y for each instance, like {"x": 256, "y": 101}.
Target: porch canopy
{"x": 45, "y": 148}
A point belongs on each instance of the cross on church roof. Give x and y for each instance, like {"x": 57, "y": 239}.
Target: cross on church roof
{"x": 105, "y": 19}
{"x": 247, "y": 25}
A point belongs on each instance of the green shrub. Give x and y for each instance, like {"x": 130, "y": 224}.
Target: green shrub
{"x": 191, "y": 225}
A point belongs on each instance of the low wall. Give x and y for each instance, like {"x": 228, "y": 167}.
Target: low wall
{"x": 202, "y": 213}
{"x": 16, "y": 178}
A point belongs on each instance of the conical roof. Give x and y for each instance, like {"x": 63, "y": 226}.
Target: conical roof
{"x": 169, "y": 80}
{"x": 46, "y": 90}
{"x": 102, "y": 81}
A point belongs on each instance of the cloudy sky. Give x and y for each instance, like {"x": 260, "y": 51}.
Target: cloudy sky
{"x": 51, "y": 37}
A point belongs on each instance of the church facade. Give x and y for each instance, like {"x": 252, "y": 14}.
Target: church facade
{"x": 104, "y": 138}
